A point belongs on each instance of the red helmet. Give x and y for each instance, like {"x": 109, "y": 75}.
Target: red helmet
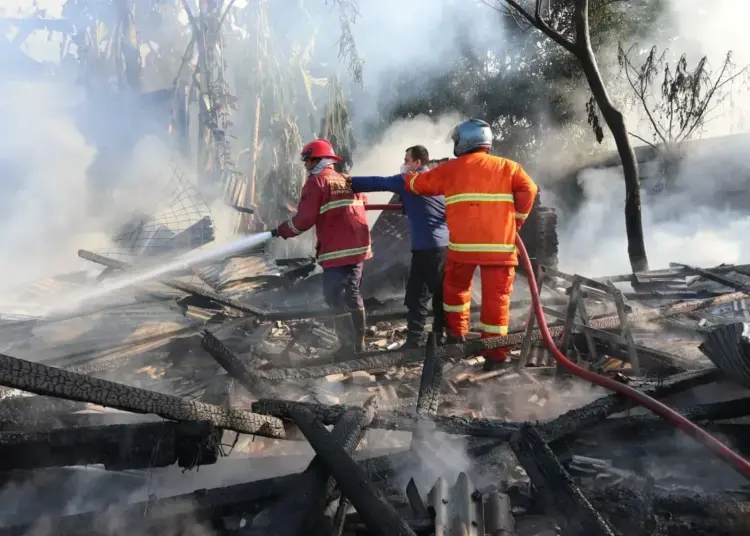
{"x": 319, "y": 149}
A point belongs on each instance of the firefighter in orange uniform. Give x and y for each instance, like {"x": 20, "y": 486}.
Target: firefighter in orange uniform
{"x": 487, "y": 200}
{"x": 340, "y": 221}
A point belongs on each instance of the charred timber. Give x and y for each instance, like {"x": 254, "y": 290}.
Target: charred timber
{"x": 50, "y": 381}
{"x": 406, "y": 422}
{"x": 555, "y": 487}
{"x": 643, "y": 512}
{"x": 306, "y": 498}
{"x": 555, "y": 430}
{"x": 117, "y": 447}
{"x": 232, "y": 364}
{"x": 431, "y": 380}
{"x": 199, "y": 506}
{"x": 380, "y": 517}
{"x": 601, "y": 408}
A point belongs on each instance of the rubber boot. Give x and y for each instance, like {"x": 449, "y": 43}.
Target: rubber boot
{"x": 454, "y": 339}
{"x": 345, "y": 333}
{"x": 413, "y": 341}
{"x": 359, "y": 323}
{"x": 496, "y": 362}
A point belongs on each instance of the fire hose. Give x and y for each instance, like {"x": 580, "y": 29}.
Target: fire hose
{"x": 680, "y": 422}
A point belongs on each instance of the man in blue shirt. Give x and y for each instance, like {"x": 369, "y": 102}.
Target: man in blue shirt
{"x": 429, "y": 239}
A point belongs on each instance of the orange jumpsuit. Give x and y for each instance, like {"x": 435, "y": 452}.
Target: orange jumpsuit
{"x": 487, "y": 200}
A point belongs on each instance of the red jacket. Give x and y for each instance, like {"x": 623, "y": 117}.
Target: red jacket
{"x": 339, "y": 217}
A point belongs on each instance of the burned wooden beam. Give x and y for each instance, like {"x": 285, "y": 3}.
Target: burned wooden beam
{"x": 117, "y": 447}
{"x": 373, "y": 361}
{"x": 51, "y": 381}
{"x": 555, "y": 487}
{"x": 601, "y": 408}
{"x": 305, "y": 499}
{"x": 407, "y": 422}
{"x": 643, "y": 511}
{"x": 232, "y": 364}
{"x": 431, "y": 380}
{"x": 353, "y": 482}
{"x": 245, "y": 499}
{"x": 554, "y": 430}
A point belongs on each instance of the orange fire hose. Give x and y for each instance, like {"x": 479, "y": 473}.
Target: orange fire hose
{"x": 739, "y": 463}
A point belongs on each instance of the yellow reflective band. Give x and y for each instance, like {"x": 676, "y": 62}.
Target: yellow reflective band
{"x": 292, "y": 227}
{"x": 411, "y": 183}
{"x": 494, "y": 329}
{"x": 343, "y": 253}
{"x": 521, "y": 216}
{"x": 479, "y": 198}
{"x": 456, "y": 308}
{"x": 482, "y": 248}
{"x": 340, "y": 203}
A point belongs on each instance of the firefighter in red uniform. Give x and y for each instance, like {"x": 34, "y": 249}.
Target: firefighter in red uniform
{"x": 340, "y": 221}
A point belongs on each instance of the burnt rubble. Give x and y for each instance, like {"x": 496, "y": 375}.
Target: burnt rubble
{"x": 209, "y": 378}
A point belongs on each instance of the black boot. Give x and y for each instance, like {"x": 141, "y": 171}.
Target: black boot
{"x": 491, "y": 364}
{"x": 359, "y": 323}
{"x": 345, "y": 333}
{"x": 454, "y": 339}
{"x": 413, "y": 341}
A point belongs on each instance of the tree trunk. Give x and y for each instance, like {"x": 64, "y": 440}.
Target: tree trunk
{"x": 616, "y": 124}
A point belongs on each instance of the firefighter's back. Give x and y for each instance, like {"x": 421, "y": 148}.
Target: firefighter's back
{"x": 480, "y": 211}
{"x": 343, "y": 233}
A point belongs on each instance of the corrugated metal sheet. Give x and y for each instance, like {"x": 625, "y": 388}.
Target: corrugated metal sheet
{"x": 729, "y": 349}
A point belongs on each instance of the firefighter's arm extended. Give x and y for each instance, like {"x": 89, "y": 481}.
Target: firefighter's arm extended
{"x": 393, "y": 184}
{"x": 307, "y": 211}
{"x": 524, "y": 194}
{"x": 428, "y": 183}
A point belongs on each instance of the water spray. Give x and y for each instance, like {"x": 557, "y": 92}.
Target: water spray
{"x": 181, "y": 264}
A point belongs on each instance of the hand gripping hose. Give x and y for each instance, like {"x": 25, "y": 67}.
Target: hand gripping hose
{"x": 696, "y": 432}
{"x": 741, "y": 465}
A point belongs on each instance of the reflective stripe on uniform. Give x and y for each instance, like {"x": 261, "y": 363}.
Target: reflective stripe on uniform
{"x": 482, "y": 248}
{"x": 494, "y": 329}
{"x": 521, "y": 216}
{"x": 456, "y": 308}
{"x": 292, "y": 227}
{"x": 479, "y": 198}
{"x": 343, "y": 253}
{"x": 340, "y": 203}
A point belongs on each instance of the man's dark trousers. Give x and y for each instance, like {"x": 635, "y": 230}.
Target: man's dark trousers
{"x": 425, "y": 283}
{"x": 341, "y": 290}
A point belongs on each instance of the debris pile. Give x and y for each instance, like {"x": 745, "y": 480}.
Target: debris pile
{"x": 422, "y": 441}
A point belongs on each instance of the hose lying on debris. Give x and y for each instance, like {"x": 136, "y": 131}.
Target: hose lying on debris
{"x": 696, "y": 432}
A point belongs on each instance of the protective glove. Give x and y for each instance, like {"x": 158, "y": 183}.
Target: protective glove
{"x": 274, "y": 233}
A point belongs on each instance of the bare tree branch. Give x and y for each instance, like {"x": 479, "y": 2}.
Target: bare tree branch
{"x": 537, "y": 21}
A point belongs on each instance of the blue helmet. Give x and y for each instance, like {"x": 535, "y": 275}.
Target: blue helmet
{"x": 470, "y": 135}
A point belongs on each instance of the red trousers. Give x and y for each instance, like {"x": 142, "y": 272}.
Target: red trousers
{"x": 497, "y": 286}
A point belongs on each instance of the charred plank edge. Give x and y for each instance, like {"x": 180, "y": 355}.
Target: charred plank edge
{"x": 118, "y": 446}
{"x": 380, "y": 516}
{"x": 51, "y": 381}
{"x": 555, "y": 486}
{"x": 431, "y": 380}
{"x": 305, "y": 499}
